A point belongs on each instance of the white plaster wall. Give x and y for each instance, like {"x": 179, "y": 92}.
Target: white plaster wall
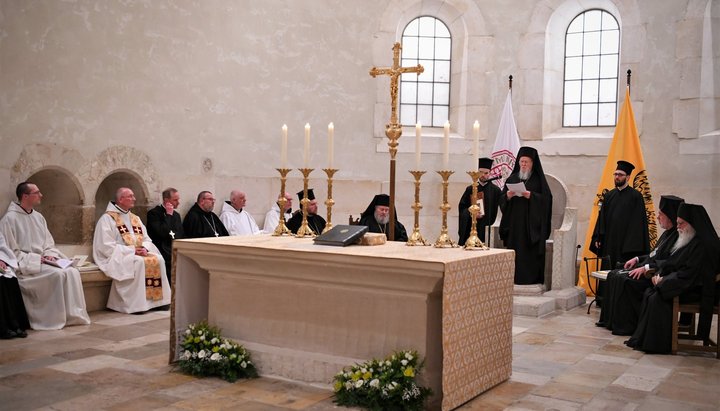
{"x": 186, "y": 81}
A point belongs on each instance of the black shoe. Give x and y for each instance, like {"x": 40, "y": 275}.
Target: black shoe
{"x": 21, "y": 333}
{"x": 8, "y": 334}
{"x": 162, "y": 308}
{"x": 600, "y": 324}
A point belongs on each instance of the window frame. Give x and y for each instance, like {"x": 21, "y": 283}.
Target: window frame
{"x": 581, "y": 104}
{"x": 433, "y": 82}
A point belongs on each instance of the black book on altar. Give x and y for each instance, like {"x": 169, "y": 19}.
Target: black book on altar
{"x": 342, "y": 235}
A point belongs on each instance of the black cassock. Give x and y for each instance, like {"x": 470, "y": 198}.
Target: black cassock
{"x": 624, "y": 294}
{"x": 621, "y": 227}
{"x": 375, "y": 227}
{"x": 315, "y": 222}
{"x": 159, "y": 227}
{"x": 525, "y": 226}
{"x": 13, "y": 316}
{"x": 683, "y": 273}
{"x": 200, "y": 224}
{"x": 491, "y": 200}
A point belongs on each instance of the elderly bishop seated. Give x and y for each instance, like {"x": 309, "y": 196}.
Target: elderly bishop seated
{"x": 124, "y": 252}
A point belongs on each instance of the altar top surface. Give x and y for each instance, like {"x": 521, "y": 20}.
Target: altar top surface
{"x": 390, "y": 250}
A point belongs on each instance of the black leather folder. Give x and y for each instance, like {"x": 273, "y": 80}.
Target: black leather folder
{"x": 341, "y": 235}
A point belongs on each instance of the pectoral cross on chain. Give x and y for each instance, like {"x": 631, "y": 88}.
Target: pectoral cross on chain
{"x": 394, "y": 72}
{"x": 172, "y": 234}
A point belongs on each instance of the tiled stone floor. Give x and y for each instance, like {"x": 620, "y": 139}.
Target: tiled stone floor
{"x": 560, "y": 362}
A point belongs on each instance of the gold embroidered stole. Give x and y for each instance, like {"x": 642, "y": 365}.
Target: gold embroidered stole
{"x": 153, "y": 275}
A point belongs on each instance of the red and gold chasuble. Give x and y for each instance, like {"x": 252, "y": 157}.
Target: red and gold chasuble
{"x": 153, "y": 275}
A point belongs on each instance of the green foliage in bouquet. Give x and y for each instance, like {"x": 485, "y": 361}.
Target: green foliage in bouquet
{"x": 385, "y": 385}
{"x": 205, "y": 353}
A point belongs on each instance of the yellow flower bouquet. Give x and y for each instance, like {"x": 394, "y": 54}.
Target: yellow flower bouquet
{"x": 385, "y": 385}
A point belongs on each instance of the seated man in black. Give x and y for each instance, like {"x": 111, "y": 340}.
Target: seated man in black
{"x": 377, "y": 218}
{"x": 689, "y": 272}
{"x": 625, "y": 288}
{"x": 314, "y": 221}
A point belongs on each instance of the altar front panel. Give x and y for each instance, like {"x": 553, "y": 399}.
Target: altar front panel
{"x": 305, "y": 311}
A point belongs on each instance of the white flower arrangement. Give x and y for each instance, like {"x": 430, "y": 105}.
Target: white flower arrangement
{"x": 205, "y": 353}
{"x": 387, "y": 384}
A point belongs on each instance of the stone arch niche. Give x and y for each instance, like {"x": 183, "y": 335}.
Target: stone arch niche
{"x": 54, "y": 169}
{"x": 115, "y": 167}
{"x": 122, "y": 178}
{"x": 62, "y": 204}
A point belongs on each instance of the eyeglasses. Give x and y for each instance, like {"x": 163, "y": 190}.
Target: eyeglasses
{"x": 34, "y": 192}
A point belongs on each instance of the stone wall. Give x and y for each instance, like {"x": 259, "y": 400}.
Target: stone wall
{"x": 193, "y": 94}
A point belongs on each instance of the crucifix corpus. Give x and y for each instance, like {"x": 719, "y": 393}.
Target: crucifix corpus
{"x": 393, "y": 130}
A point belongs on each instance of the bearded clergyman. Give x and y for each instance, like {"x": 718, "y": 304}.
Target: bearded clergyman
{"x": 625, "y": 287}
{"x": 124, "y": 252}
{"x": 621, "y": 230}
{"x": 689, "y": 272}
{"x": 377, "y": 218}
{"x": 527, "y": 215}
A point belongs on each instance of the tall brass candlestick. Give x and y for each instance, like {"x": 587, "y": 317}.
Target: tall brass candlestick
{"x": 329, "y": 202}
{"x": 444, "y": 239}
{"x": 473, "y": 242}
{"x": 416, "y": 238}
{"x": 305, "y": 230}
{"x": 281, "y": 228}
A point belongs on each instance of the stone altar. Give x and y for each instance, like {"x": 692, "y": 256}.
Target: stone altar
{"x": 305, "y": 311}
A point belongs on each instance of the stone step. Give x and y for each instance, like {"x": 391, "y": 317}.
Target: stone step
{"x": 533, "y": 306}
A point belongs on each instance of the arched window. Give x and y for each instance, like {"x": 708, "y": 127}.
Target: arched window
{"x": 592, "y": 44}
{"x": 425, "y": 98}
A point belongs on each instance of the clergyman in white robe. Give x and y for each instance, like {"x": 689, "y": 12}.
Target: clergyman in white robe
{"x": 272, "y": 218}
{"x": 119, "y": 262}
{"x": 238, "y": 222}
{"x": 53, "y": 296}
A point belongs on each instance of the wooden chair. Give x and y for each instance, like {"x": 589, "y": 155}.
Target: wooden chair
{"x": 693, "y": 308}
{"x": 352, "y": 221}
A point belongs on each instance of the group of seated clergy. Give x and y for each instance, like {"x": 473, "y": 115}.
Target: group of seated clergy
{"x": 40, "y": 293}
{"x": 638, "y": 298}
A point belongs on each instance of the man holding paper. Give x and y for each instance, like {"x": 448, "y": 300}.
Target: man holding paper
{"x": 53, "y": 295}
{"x": 526, "y": 204}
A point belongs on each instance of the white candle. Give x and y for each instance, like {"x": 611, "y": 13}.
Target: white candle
{"x": 306, "y": 152}
{"x": 476, "y": 143}
{"x": 331, "y": 132}
{"x": 283, "y": 148}
{"x": 418, "y": 134}
{"x": 446, "y": 146}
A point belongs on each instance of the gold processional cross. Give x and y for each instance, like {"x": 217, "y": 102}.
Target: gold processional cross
{"x": 393, "y": 130}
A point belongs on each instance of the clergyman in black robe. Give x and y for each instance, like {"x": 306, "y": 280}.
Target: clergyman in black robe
{"x": 490, "y": 194}
{"x": 689, "y": 273}
{"x": 621, "y": 230}
{"x": 377, "y": 218}
{"x": 200, "y": 221}
{"x": 526, "y": 220}
{"x": 625, "y": 288}
{"x": 314, "y": 221}
{"x": 13, "y": 317}
{"x": 164, "y": 225}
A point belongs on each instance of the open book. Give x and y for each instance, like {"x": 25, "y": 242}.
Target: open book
{"x": 60, "y": 262}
